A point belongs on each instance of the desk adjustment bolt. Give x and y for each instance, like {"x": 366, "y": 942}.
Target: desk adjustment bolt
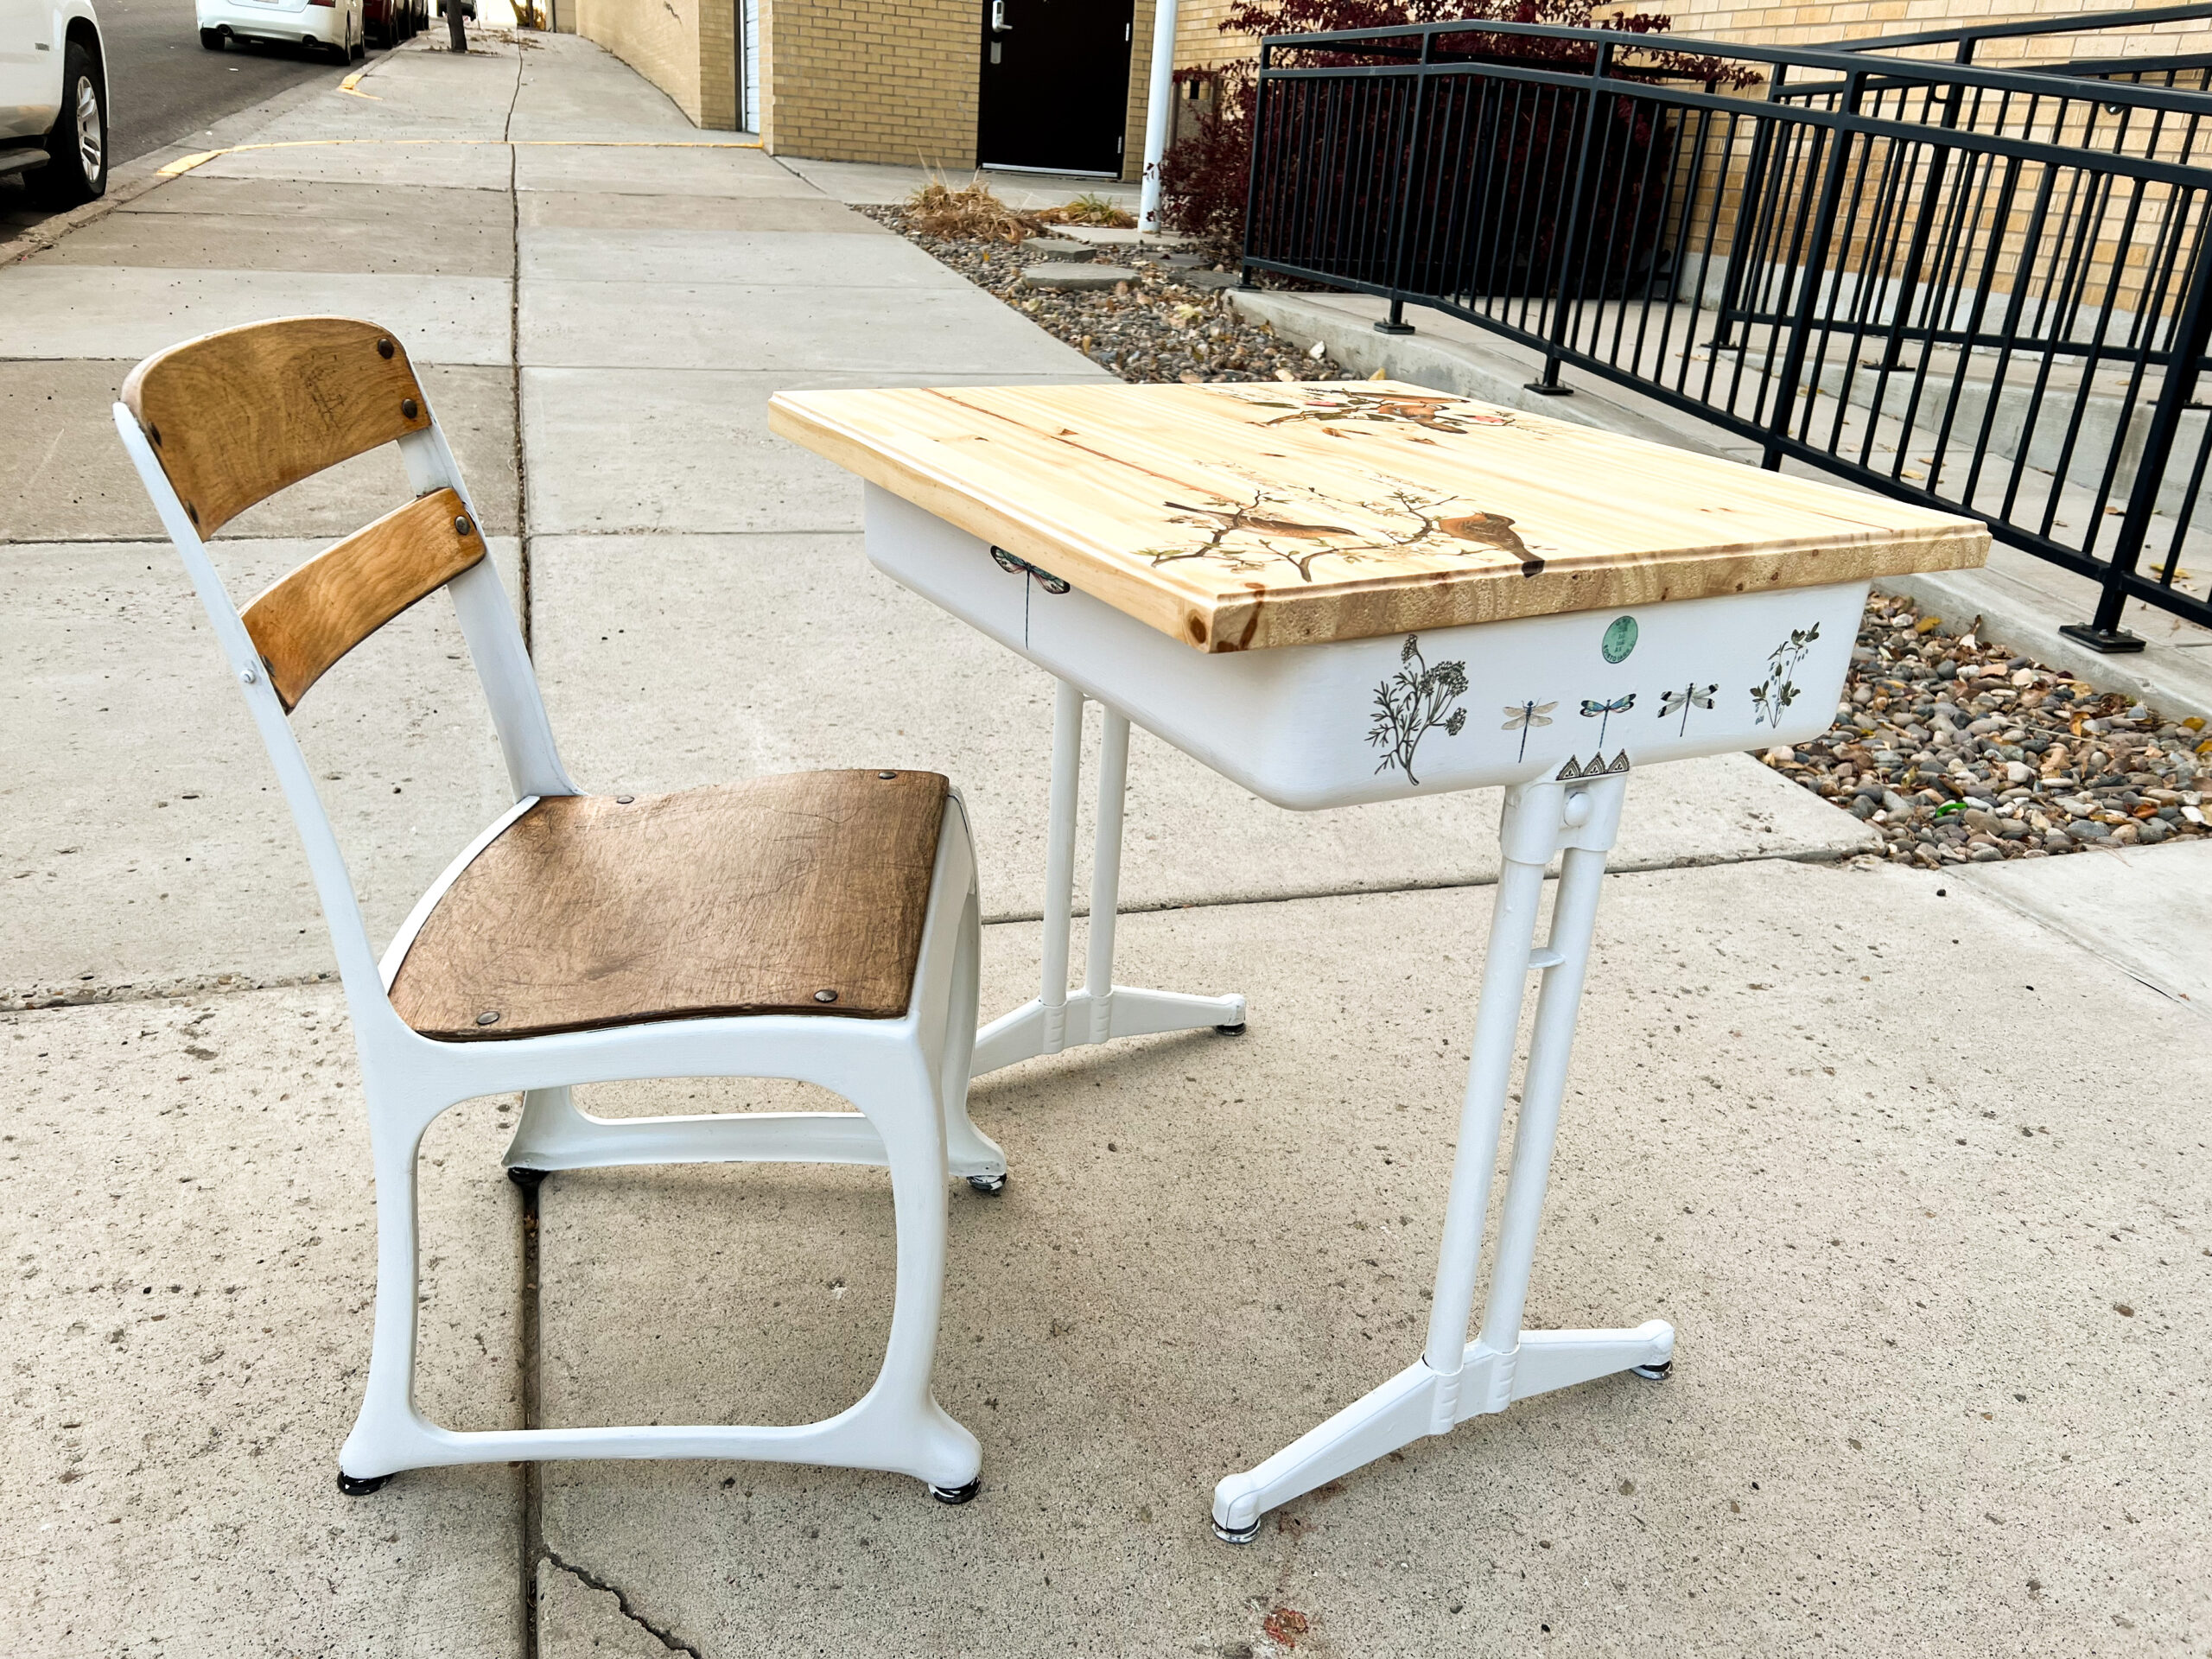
{"x": 990, "y": 1184}
{"x": 1234, "y": 1535}
{"x": 353, "y": 1488}
{"x": 1658, "y": 1373}
{"x": 957, "y": 1495}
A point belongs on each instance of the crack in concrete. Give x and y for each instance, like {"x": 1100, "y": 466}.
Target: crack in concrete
{"x": 674, "y": 1644}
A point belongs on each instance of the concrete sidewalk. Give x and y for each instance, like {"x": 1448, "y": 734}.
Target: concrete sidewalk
{"x": 1916, "y": 1170}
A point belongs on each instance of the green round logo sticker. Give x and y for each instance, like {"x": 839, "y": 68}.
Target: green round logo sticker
{"x": 1620, "y": 638}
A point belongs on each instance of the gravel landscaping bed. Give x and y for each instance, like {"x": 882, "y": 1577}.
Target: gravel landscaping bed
{"x": 1956, "y": 751}
{"x": 1953, "y": 750}
{"x": 1163, "y": 326}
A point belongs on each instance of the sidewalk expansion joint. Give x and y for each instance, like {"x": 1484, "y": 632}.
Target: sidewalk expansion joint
{"x": 673, "y": 1643}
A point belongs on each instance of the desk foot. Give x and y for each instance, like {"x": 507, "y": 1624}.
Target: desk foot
{"x": 1419, "y": 1401}
{"x": 1127, "y": 1011}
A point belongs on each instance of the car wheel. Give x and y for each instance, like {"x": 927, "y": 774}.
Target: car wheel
{"x": 212, "y": 39}
{"x": 76, "y": 148}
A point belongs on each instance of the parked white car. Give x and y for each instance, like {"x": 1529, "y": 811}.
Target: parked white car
{"x": 54, "y": 100}
{"x": 339, "y": 27}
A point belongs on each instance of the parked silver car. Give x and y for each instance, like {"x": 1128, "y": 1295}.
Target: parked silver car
{"x": 54, "y": 121}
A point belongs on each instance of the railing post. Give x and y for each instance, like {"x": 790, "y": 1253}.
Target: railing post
{"x": 1747, "y": 215}
{"x": 1252, "y": 169}
{"x": 2185, "y": 357}
{"x": 1808, "y": 292}
{"x": 1923, "y": 223}
{"x": 1549, "y": 385}
{"x": 1410, "y": 182}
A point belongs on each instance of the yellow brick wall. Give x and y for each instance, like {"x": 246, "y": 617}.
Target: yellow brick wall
{"x": 873, "y": 80}
{"x": 1805, "y": 25}
{"x": 1199, "y": 39}
{"x": 686, "y": 48}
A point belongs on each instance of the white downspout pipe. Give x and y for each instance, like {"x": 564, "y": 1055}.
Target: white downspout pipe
{"x": 1159, "y": 113}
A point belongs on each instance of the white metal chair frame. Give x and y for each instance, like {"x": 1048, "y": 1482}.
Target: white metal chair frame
{"x": 908, "y": 1078}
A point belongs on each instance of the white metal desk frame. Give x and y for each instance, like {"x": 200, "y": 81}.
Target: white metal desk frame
{"x": 1454, "y": 1379}
{"x": 1056, "y": 1019}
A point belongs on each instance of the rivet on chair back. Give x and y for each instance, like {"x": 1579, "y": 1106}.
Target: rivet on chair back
{"x": 236, "y": 416}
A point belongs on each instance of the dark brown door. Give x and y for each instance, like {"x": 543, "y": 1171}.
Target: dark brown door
{"x": 1055, "y": 94}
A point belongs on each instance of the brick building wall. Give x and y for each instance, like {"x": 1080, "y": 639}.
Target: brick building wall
{"x": 872, "y": 80}
{"x": 1805, "y": 25}
{"x": 852, "y": 80}
{"x": 686, "y": 48}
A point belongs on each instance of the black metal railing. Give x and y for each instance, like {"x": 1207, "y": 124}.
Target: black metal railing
{"x": 1986, "y": 290}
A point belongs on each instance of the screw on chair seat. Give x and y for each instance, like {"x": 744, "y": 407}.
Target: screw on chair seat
{"x": 804, "y": 894}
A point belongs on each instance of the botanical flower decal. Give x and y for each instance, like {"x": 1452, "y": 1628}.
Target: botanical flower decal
{"x": 1413, "y": 703}
{"x": 1777, "y": 691}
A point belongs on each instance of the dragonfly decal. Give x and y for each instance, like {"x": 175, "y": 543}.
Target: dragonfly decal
{"x": 1603, "y": 713}
{"x": 1522, "y": 716}
{"x": 1034, "y": 577}
{"x": 1692, "y": 695}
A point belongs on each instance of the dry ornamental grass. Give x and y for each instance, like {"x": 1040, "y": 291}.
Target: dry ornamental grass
{"x": 1161, "y": 326}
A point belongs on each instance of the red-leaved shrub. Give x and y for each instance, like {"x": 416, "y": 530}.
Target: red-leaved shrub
{"x": 1204, "y": 176}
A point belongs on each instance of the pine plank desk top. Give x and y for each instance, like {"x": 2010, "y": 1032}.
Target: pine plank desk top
{"x": 1237, "y": 517}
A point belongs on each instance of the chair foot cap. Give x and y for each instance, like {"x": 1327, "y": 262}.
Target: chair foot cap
{"x": 353, "y": 1488}
{"x": 957, "y": 1495}
{"x": 1237, "y": 1030}
{"x": 1658, "y": 1373}
{"x": 1234, "y": 1535}
{"x": 524, "y": 1178}
{"x": 991, "y": 1186}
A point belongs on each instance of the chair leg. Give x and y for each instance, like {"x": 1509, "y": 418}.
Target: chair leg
{"x": 969, "y": 1151}
{"x": 898, "y": 1417}
{"x": 388, "y": 1432}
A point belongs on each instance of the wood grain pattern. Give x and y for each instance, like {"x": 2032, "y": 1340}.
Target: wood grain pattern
{"x": 238, "y": 415}
{"x": 1241, "y": 517}
{"x": 309, "y": 619}
{"x": 749, "y": 898}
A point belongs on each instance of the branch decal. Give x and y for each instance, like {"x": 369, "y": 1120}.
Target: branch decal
{"x": 1777, "y": 691}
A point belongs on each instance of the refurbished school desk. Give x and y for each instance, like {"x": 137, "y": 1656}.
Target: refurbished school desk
{"x": 1351, "y": 592}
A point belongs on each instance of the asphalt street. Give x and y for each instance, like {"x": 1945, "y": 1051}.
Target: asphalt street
{"x": 163, "y": 87}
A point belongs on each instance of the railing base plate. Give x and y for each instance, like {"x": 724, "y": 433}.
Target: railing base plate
{"x": 2112, "y": 642}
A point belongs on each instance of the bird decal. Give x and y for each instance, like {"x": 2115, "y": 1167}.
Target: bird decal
{"x": 1487, "y": 529}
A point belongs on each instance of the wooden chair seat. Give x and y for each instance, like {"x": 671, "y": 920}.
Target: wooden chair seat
{"x": 798, "y": 894}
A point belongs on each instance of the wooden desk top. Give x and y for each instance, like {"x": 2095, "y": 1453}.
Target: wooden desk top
{"x": 1238, "y": 517}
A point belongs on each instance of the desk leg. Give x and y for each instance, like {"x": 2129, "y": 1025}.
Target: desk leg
{"x": 1056, "y": 1019}
{"x": 1456, "y": 1379}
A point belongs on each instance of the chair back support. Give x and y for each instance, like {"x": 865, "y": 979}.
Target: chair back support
{"x": 238, "y": 415}
{"x": 306, "y": 622}
{"x": 219, "y": 423}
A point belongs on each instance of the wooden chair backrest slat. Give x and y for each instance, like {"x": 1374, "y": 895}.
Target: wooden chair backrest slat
{"x": 236, "y": 416}
{"x": 311, "y": 619}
